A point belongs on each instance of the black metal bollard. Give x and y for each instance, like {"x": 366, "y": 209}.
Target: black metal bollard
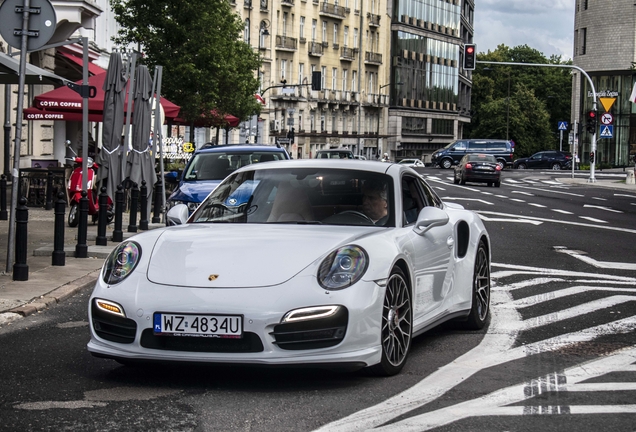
{"x": 48, "y": 205}
{"x": 143, "y": 206}
{"x": 20, "y": 267}
{"x": 102, "y": 218}
{"x": 118, "y": 235}
{"x": 81, "y": 248}
{"x": 3, "y": 197}
{"x": 134, "y": 199}
{"x": 156, "y": 215}
{"x": 59, "y": 256}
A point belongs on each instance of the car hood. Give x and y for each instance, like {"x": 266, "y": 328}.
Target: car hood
{"x": 194, "y": 191}
{"x": 241, "y": 255}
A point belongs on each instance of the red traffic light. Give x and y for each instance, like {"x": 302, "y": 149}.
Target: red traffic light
{"x": 470, "y": 49}
{"x": 591, "y": 114}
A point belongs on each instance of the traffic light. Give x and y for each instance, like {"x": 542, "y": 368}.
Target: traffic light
{"x": 592, "y": 118}
{"x": 290, "y": 135}
{"x": 470, "y": 53}
{"x": 591, "y": 158}
{"x": 316, "y": 80}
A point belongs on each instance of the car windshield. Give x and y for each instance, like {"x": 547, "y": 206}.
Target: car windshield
{"x": 301, "y": 196}
{"x": 218, "y": 165}
{"x": 481, "y": 158}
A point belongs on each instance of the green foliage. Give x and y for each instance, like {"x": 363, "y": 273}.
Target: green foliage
{"x": 540, "y": 97}
{"x": 207, "y": 68}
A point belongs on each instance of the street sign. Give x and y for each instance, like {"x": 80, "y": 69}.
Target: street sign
{"x": 607, "y": 131}
{"x": 42, "y": 22}
{"x": 563, "y": 125}
{"x": 290, "y": 121}
{"x": 283, "y": 140}
{"x": 607, "y": 118}
{"x": 607, "y": 102}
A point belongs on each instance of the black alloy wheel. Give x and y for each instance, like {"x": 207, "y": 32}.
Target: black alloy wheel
{"x": 481, "y": 290}
{"x": 397, "y": 325}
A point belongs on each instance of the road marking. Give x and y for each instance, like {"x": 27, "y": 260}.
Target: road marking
{"x": 467, "y": 199}
{"x": 487, "y": 219}
{"x": 552, "y": 182}
{"x": 517, "y": 200}
{"x": 562, "y": 211}
{"x": 501, "y": 196}
{"x": 558, "y": 221}
{"x": 537, "y": 205}
{"x": 600, "y": 199}
{"x": 602, "y": 208}
{"x": 591, "y": 261}
{"x": 522, "y": 193}
{"x": 625, "y": 195}
{"x": 591, "y": 219}
{"x": 511, "y": 181}
{"x": 550, "y": 191}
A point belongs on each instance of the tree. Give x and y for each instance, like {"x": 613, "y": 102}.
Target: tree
{"x": 540, "y": 97}
{"x": 207, "y": 69}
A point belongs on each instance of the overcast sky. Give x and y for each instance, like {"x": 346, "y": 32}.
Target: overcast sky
{"x": 546, "y": 25}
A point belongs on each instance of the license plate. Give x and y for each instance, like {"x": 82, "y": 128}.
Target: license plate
{"x": 221, "y": 326}
{"x": 484, "y": 168}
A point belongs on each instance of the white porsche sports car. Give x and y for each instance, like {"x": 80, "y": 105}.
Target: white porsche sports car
{"x": 304, "y": 262}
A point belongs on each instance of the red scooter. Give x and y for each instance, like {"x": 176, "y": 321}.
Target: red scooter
{"x": 75, "y": 192}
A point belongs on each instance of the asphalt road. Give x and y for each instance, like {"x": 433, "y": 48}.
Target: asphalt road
{"x": 557, "y": 354}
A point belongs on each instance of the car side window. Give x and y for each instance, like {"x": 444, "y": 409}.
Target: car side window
{"x": 412, "y": 201}
{"x": 430, "y": 196}
{"x": 460, "y": 145}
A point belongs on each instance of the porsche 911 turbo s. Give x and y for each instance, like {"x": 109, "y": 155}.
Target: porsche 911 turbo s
{"x": 311, "y": 262}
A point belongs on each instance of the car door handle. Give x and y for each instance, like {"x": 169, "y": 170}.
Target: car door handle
{"x": 450, "y": 241}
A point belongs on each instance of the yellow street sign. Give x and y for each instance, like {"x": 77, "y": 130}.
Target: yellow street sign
{"x": 607, "y": 102}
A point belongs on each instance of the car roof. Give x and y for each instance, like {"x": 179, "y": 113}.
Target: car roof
{"x": 347, "y": 164}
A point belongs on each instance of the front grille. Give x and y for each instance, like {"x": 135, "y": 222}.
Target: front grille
{"x": 250, "y": 342}
{"x": 113, "y": 328}
{"x": 313, "y": 334}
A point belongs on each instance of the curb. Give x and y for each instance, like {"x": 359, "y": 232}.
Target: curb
{"x": 57, "y": 295}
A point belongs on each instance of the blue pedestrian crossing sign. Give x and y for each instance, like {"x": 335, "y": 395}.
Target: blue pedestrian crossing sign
{"x": 607, "y": 131}
{"x": 563, "y": 125}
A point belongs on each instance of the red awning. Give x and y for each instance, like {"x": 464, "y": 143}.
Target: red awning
{"x": 92, "y": 67}
{"x": 38, "y": 114}
{"x": 65, "y": 100}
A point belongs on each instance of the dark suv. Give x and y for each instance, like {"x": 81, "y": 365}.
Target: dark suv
{"x": 450, "y": 155}
{"x": 551, "y": 159}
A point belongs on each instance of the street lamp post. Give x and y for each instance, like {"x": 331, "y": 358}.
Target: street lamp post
{"x": 378, "y": 125}
{"x": 508, "y": 109}
{"x": 262, "y": 32}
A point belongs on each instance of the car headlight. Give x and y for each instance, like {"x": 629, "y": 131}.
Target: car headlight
{"x": 343, "y": 267}
{"x": 121, "y": 262}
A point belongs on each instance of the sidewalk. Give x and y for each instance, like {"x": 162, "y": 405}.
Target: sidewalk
{"x": 610, "y": 178}
{"x": 48, "y": 284}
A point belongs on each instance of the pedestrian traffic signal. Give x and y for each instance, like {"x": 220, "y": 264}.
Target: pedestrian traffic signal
{"x": 470, "y": 53}
{"x": 591, "y": 157}
{"x": 592, "y": 119}
{"x": 290, "y": 135}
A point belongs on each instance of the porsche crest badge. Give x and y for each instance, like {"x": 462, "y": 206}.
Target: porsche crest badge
{"x": 213, "y": 277}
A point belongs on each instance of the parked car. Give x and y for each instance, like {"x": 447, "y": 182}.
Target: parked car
{"x": 477, "y": 167}
{"x": 551, "y": 159}
{"x": 359, "y": 157}
{"x": 211, "y": 164}
{"x": 334, "y": 154}
{"x": 450, "y": 155}
{"x": 231, "y": 284}
{"x": 412, "y": 162}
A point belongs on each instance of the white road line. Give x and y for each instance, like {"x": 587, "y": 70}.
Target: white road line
{"x": 600, "y": 199}
{"x": 537, "y": 205}
{"x": 501, "y": 196}
{"x": 562, "y": 211}
{"x": 487, "y": 219}
{"x": 522, "y": 193}
{"x": 602, "y": 208}
{"x": 553, "y": 295}
{"x": 517, "y": 200}
{"x": 549, "y": 191}
{"x": 467, "y": 199}
{"x": 557, "y": 221}
{"x": 591, "y": 261}
{"x": 552, "y": 182}
{"x": 511, "y": 181}
{"x": 514, "y": 269}
{"x": 591, "y": 219}
{"x": 625, "y": 195}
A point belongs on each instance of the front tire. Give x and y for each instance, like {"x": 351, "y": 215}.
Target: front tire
{"x": 521, "y": 166}
{"x": 397, "y": 326}
{"x": 73, "y": 215}
{"x": 481, "y": 290}
{"x": 446, "y": 163}
{"x": 556, "y": 167}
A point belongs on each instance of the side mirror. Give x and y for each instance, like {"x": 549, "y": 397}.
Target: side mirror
{"x": 177, "y": 215}
{"x": 67, "y": 143}
{"x": 171, "y": 177}
{"x": 428, "y": 218}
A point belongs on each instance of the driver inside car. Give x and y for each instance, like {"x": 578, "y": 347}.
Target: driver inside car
{"x": 375, "y": 201}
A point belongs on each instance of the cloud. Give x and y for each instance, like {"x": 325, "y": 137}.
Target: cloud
{"x": 547, "y": 26}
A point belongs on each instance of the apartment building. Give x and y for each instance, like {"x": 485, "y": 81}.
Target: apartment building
{"x": 605, "y": 48}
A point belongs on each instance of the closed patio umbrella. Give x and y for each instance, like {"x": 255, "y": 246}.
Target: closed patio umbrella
{"x": 140, "y": 164}
{"x": 113, "y": 156}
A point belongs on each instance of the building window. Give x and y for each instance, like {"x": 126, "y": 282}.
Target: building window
{"x": 334, "y": 78}
{"x": 583, "y": 41}
{"x": 442, "y": 127}
{"x": 283, "y": 69}
{"x": 324, "y": 31}
{"x": 323, "y": 77}
{"x": 323, "y": 127}
{"x": 355, "y": 38}
{"x": 314, "y": 24}
{"x": 344, "y": 80}
{"x": 335, "y": 34}
{"x": 302, "y": 27}
{"x": 346, "y": 36}
{"x": 246, "y": 31}
{"x": 301, "y": 72}
{"x": 354, "y": 81}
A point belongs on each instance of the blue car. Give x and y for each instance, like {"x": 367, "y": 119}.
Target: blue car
{"x": 211, "y": 164}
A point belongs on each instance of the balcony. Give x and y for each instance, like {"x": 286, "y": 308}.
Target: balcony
{"x": 286, "y": 43}
{"x": 288, "y": 3}
{"x": 374, "y": 20}
{"x": 372, "y": 58}
{"x": 347, "y": 54}
{"x": 315, "y": 49}
{"x": 264, "y": 5}
{"x": 330, "y": 10}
